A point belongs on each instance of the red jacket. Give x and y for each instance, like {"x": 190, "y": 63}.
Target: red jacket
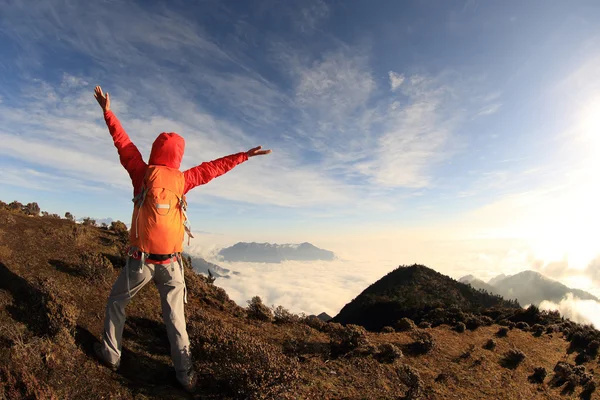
{"x": 167, "y": 150}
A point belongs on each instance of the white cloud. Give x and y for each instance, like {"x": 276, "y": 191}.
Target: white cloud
{"x": 337, "y": 85}
{"x": 62, "y": 129}
{"x": 580, "y": 311}
{"x": 336, "y": 141}
{"x": 309, "y": 287}
{"x": 311, "y": 14}
{"x": 489, "y": 109}
{"x": 396, "y": 80}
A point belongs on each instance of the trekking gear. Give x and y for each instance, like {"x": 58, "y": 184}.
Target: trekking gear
{"x": 170, "y": 285}
{"x": 100, "y": 355}
{"x": 159, "y": 219}
{"x": 189, "y": 381}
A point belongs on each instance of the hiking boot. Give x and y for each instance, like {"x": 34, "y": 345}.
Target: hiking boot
{"x": 188, "y": 382}
{"x": 102, "y": 358}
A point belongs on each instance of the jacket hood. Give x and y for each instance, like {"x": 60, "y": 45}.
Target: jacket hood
{"x": 167, "y": 150}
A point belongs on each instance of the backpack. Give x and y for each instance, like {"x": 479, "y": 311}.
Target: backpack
{"x": 159, "y": 219}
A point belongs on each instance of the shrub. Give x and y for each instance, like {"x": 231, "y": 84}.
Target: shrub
{"x": 524, "y": 326}
{"x": 563, "y": 370}
{"x": 95, "y": 267}
{"x": 582, "y": 358}
{"x": 460, "y": 327}
{"x": 15, "y": 206}
{"x": 424, "y": 325}
{"x": 314, "y": 322}
{"x": 423, "y": 342}
{"x": 588, "y": 389}
{"x": 405, "y": 324}
{"x": 585, "y": 377}
{"x": 210, "y": 278}
{"x": 32, "y": 209}
{"x": 89, "y": 222}
{"x": 257, "y": 310}
{"x": 538, "y": 329}
{"x": 485, "y": 320}
{"x": 349, "y": 338}
{"x": 388, "y": 352}
{"x": 490, "y": 344}
{"x": 118, "y": 226}
{"x": 240, "y": 365}
{"x": 552, "y": 328}
{"x": 502, "y": 332}
{"x": 61, "y": 314}
{"x": 473, "y": 323}
{"x": 513, "y": 358}
{"x": 283, "y": 316}
{"x": 82, "y": 235}
{"x": 538, "y": 376}
{"x": 387, "y": 329}
{"x": 69, "y": 216}
{"x": 512, "y": 325}
{"x": 592, "y": 348}
{"x": 411, "y": 378}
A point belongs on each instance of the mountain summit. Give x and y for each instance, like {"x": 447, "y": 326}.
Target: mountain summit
{"x": 412, "y": 291}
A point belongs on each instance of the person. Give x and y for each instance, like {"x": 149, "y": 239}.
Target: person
{"x": 156, "y": 237}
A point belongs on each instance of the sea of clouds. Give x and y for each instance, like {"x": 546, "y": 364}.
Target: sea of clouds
{"x": 313, "y": 287}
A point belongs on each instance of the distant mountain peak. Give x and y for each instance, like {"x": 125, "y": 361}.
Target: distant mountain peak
{"x": 531, "y": 287}
{"x": 496, "y": 279}
{"x": 274, "y": 253}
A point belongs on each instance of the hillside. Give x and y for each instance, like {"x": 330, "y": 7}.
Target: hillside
{"x": 274, "y": 253}
{"x": 55, "y": 276}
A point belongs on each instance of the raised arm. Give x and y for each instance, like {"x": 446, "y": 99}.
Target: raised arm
{"x": 130, "y": 156}
{"x": 207, "y": 171}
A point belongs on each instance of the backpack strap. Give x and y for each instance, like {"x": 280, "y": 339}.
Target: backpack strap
{"x": 180, "y": 261}
{"x": 186, "y": 221}
{"x": 138, "y": 201}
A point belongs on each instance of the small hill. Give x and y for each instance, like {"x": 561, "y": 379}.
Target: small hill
{"x": 324, "y": 317}
{"x": 274, "y": 253}
{"x": 412, "y": 292}
{"x": 531, "y": 287}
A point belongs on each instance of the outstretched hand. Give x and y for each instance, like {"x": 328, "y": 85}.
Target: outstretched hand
{"x": 257, "y": 152}
{"x": 103, "y": 100}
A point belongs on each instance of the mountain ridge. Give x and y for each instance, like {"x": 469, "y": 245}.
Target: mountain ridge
{"x": 274, "y": 253}
{"x": 529, "y": 287}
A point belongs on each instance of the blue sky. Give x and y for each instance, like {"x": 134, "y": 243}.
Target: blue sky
{"x": 382, "y": 115}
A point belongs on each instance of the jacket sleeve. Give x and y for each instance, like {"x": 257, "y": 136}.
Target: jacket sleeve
{"x": 207, "y": 171}
{"x": 130, "y": 156}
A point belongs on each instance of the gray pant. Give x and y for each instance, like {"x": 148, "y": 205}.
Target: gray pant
{"x": 169, "y": 280}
